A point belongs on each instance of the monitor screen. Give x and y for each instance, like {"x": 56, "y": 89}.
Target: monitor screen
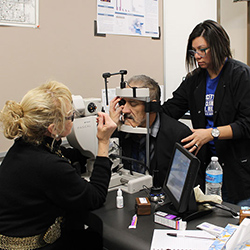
{"x": 178, "y": 174}
{"x": 180, "y": 179}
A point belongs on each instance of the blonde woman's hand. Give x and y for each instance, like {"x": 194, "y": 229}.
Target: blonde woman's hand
{"x": 105, "y": 128}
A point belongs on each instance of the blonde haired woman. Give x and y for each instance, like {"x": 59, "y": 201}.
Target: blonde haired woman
{"x": 38, "y": 184}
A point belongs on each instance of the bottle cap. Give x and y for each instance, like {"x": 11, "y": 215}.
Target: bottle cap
{"x": 119, "y": 192}
{"x": 214, "y": 158}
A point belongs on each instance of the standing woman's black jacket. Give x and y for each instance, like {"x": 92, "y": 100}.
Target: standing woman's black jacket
{"x": 231, "y": 107}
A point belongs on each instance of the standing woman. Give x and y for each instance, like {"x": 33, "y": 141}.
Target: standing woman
{"x": 39, "y": 187}
{"x": 217, "y": 94}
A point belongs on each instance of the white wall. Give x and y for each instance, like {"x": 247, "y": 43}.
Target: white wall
{"x": 179, "y": 19}
{"x": 65, "y": 49}
{"x": 233, "y": 17}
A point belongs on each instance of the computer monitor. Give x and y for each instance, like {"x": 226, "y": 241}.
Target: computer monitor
{"x": 179, "y": 183}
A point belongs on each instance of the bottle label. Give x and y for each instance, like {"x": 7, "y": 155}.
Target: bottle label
{"x": 214, "y": 178}
{"x": 119, "y": 202}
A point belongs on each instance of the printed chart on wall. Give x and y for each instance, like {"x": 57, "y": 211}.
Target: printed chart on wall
{"x": 19, "y": 13}
{"x": 128, "y": 17}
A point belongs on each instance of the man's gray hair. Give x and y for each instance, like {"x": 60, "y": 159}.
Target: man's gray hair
{"x": 143, "y": 81}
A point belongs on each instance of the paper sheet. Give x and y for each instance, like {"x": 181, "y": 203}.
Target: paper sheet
{"x": 19, "y": 13}
{"x": 161, "y": 241}
{"x": 128, "y": 17}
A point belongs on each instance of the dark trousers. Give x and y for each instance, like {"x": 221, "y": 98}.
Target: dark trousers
{"x": 77, "y": 240}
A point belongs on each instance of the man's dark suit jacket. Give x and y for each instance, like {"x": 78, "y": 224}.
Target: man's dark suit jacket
{"x": 170, "y": 131}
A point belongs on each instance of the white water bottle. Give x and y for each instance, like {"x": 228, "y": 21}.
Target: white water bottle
{"x": 214, "y": 174}
{"x": 119, "y": 199}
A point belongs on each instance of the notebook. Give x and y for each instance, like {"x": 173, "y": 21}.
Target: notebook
{"x": 162, "y": 241}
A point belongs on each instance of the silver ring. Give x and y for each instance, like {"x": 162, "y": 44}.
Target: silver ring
{"x": 196, "y": 145}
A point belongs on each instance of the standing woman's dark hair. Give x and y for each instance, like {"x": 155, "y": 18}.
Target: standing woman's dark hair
{"x": 218, "y": 42}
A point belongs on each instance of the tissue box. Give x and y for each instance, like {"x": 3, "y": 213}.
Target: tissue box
{"x": 142, "y": 206}
{"x": 224, "y": 237}
{"x": 243, "y": 246}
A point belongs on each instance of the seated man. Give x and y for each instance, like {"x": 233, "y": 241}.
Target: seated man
{"x": 164, "y": 130}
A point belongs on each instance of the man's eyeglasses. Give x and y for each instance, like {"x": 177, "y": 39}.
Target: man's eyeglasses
{"x": 71, "y": 117}
{"x": 200, "y": 52}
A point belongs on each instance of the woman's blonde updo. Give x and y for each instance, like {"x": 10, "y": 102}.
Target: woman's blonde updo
{"x": 47, "y": 104}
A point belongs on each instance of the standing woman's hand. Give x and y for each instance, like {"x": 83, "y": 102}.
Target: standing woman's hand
{"x": 197, "y": 139}
{"x": 105, "y": 128}
{"x": 202, "y": 136}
